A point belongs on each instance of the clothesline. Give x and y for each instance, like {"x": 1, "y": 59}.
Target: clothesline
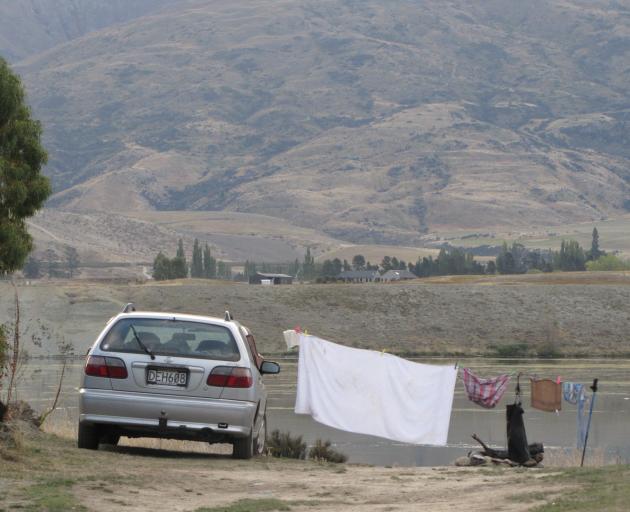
{"x": 362, "y": 391}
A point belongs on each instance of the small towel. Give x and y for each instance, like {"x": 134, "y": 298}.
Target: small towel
{"x": 546, "y": 394}
{"x": 485, "y": 392}
{"x": 571, "y": 392}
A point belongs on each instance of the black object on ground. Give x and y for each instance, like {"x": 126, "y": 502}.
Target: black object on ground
{"x": 518, "y": 450}
{"x": 536, "y": 450}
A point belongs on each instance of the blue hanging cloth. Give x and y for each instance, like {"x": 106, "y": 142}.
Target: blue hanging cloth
{"x": 571, "y": 392}
{"x": 582, "y": 418}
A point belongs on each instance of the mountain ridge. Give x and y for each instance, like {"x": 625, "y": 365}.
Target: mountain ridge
{"x": 372, "y": 121}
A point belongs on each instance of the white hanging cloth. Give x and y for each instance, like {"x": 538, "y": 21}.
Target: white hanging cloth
{"x": 291, "y": 338}
{"x": 374, "y": 393}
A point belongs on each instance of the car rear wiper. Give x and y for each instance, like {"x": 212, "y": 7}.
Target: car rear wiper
{"x": 142, "y": 345}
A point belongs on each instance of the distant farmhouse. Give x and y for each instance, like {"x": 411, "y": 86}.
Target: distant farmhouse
{"x": 397, "y": 275}
{"x": 359, "y": 276}
{"x": 264, "y": 278}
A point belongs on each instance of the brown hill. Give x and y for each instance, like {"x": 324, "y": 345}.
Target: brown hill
{"x": 373, "y": 121}
{"x": 29, "y": 27}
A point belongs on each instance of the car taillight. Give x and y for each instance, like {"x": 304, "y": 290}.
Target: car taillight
{"x": 230, "y": 377}
{"x": 111, "y": 367}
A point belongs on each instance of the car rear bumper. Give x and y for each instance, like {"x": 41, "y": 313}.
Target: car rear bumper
{"x": 142, "y": 411}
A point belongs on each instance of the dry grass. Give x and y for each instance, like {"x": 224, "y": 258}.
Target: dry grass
{"x": 62, "y": 426}
{"x": 457, "y": 316}
{"x": 571, "y": 458}
{"x": 56, "y": 476}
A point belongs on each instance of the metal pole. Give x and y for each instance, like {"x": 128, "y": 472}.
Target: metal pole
{"x": 590, "y": 415}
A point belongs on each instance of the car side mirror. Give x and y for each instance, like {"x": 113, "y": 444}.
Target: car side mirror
{"x": 269, "y": 367}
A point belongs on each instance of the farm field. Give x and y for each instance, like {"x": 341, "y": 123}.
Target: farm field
{"x": 581, "y": 314}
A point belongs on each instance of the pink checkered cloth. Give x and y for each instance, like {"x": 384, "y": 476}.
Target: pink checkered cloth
{"x": 485, "y": 392}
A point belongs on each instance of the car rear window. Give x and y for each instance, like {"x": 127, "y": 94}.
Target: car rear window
{"x": 173, "y": 338}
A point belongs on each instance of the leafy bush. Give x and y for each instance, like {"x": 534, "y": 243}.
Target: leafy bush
{"x": 510, "y": 350}
{"x": 608, "y": 262}
{"x": 548, "y": 349}
{"x": 323, "y": 452}
{"x": 282, "y": 444}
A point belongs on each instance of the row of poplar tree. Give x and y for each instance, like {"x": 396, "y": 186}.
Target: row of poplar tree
{"x": 203, "y": 265}
{"x": 514, "y": 259}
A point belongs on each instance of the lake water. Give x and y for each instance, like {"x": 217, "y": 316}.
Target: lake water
{"x": 610, "y": 429}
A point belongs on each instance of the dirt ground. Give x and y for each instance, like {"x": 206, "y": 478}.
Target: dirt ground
{"x": 50, "y": 473}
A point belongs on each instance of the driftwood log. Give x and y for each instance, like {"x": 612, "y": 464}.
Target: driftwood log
{"x": 536, "y": 451}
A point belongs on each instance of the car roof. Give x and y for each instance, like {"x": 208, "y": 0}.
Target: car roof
{"x": 177, "y": 316}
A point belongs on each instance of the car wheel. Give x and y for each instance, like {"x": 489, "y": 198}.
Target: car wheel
{"x": 260, "y": 443}
{"x": 250, "y": 446}
{"x": 243, "y": 447}
{"x": 111, "y": 438}
{"x": 88, "y": 436}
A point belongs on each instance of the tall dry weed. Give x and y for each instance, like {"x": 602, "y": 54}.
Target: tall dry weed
{"x": 11, "y": 441}
{"x": 571, "y": 458}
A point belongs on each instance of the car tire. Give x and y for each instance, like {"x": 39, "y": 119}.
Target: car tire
{"x": 88, "y": 437}
{"x": 260, "y": 442}
{"x": 250, "y": 446}
{"x": 111, "y": 438}
{"x": 243, "y": 447}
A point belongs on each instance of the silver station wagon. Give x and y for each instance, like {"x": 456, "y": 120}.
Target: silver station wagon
{"x": 175, "y": 376}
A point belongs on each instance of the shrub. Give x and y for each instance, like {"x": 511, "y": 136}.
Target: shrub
{"x": 323, "y": 452}
{"x": 510, "y": 350}
{"x": 282, "y": 444}
{"x": 608, "y": 262}
{"x": 548, "y": 350}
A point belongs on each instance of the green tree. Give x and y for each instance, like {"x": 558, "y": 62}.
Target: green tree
{"x": 162, "y": 268}
{"x": 608, "y": 262}
{"x": 337, "y": 266}
{"x": 72, "y": 260}
{"x": 308, "y": 267}
{"x": 595, "y": 252}
{"x": 505, "y": 261}
{"x": 294, "y": 268}
{"x": 224, "y": 270}
{"x": 328, "y": 269}
{"x": 249, "y": 269}
{"x": 179, "y": 266}
{"x": 358, "y": 262}
{"x": 32, "y": 269}
{"x": 209, "y": 264}
{"x": 196, "y": 265}
{"x": 23, "y": 189}
{"x": 51, "y": 262}
{"x": 571, "y": 257}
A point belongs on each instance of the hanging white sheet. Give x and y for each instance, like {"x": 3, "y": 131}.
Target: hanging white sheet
{"x": 373, "y": 393}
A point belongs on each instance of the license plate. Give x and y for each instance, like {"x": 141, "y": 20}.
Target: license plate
{"x": 167, "y": 377}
